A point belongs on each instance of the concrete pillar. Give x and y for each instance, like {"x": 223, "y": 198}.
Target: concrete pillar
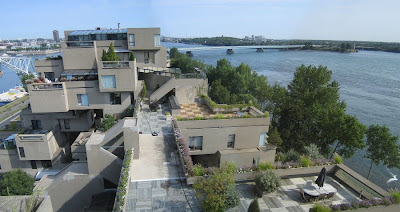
{"x": 260, "y": 50}
{"x": 230, "y": 51}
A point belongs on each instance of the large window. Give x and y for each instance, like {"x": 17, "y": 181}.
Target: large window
{"x": 115, "y": 98}
{"x": 231, "y": 141}
{"x": 36, "y": 124}
{"x": 49, "y": 76}
{"x": 131, "y": 40}
{"x": 83, "y": 99}
{"x": 196, "y": 142}
{"x": 108, "y": 81}
{"x": 157, "y": 40}
{"x": 263, "y": 137}
{"x": 21, "y": 152}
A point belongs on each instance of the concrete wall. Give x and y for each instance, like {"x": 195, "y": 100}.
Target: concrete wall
{"x": 144, "y": 38}
{"x": 78, "y": 58}
{"x": 243, "y": 158}
{"x": 152, "y": 80}
{"x": 215, "y": 133}
{"x": 9, "y": 160}
{"x": 72, "y": 190}
{"x": 186, "y": 89}
{"x": 40, "y": 146}
{"x": 39, "y": 98}
{"x": 125, "y": 77}
{"x": 56, "y": 66}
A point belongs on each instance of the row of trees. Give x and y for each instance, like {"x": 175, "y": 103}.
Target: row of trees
{"x": 309, "y": 111}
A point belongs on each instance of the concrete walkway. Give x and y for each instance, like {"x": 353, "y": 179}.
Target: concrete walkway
{"x": 157, "y": 179}
{"x": 158, "y": 121}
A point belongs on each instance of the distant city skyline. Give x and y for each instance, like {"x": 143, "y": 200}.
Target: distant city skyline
{"x": 361, "y": 20}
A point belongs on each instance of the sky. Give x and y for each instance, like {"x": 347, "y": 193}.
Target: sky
{"x": 361, "y": 20}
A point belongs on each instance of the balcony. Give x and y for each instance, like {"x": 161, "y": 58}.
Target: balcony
{"x": 41, "y": 94}
{"x": 115, "y": 64}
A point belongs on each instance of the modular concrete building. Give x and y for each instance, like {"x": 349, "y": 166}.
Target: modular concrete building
{"x": 73, "y": 93}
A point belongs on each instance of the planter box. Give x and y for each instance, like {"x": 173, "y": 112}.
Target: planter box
{"x": 304, "y": 171}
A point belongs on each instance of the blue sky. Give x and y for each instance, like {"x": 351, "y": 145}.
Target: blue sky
{"x": 373, "y": 20}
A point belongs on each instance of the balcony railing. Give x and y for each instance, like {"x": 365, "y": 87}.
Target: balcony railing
{"x": 115, "y": 64}
{"x": 47, "y": 86}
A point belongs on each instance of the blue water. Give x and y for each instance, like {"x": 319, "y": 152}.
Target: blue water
{"x": 369, "y": 84}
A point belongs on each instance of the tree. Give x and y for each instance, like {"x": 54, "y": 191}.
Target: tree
{"x": 16, "y": 182}
{"x": 382, "y": 147}
{"x": 312, "y": 113}
{"x": 274, "y": 137}
{"x": 131, "y": 56}
{"x": 173, "y": 52}
{"x": 24, "y": 78}
{"x": 107, "y": 123}
{"x": 219, "y": 93}
{"x": 110, "y": 55}
{"x": 217, "y": 192}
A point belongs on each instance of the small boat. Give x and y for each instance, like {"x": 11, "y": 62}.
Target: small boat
{"x": 12, "y": 95}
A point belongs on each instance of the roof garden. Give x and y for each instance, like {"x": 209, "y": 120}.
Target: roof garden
{"x": 208, "y": 109}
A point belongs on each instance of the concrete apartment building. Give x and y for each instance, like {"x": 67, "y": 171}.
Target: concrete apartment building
{"x": 80, "y": 89}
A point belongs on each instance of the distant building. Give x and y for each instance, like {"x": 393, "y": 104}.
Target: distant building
{"x": 56, "y": 36}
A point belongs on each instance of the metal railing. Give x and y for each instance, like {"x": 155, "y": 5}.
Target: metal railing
{"x": 115, "y": 64}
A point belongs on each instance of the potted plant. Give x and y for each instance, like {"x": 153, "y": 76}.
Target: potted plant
{"x": 73, "y": 79}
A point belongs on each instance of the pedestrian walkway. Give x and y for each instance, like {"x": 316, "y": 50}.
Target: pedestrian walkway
{"x": 157, "y": 121}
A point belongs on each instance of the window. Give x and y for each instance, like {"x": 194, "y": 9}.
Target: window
{"x": 146, "y": 57}
{"x": 21, "y": 152}
{"x": 36, "y": 124}
{"x": 196, "y": 142}
{"x": 231, "y": 141}
{"x": 83, "y": 99}
{"x": 157, "y": 40}
{"x": 108, "y": 81}
{"x": 263, "y": 137}
{"x": 49, "y": 76}
{"x": 256, "y": 162}
{"x": 131, "y": 40}
{"x": 33, "y": 164}
{"x": 66, "y": 124}
{"x": 115, "y": 98}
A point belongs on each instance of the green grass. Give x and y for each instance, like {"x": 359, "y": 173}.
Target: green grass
{"x": 13, "y": 104}
{"x": 396, "y": 196}
{"x": 13, "y": 112}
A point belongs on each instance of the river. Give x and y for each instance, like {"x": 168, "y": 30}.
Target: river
{"x": 369, "y": 84}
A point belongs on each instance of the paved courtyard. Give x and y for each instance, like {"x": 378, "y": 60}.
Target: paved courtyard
{"x": 288, "y": 198}
{"x": 159, "y": 122}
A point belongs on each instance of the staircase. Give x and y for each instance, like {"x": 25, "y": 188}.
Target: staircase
{"x": 163, "y": 90}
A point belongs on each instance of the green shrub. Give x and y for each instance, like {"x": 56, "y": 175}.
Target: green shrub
{"x": 312, "y": 151}
{"x": 198, "y": 170}
{"x": 254, "y": 207}
{"x": 280, "y": 157}
{"x": 232, "y": 197}
{"x": 320, "y": 208}
{"x": 267, "y": 181}
{"x": 266, "y": 114}
{"x": 16, "y": 182}
{"x": 167, "y": 113}
{"x": 305, "y": 161}
{"x": 144, "y": 91}
{"x": 246, "y": 115}
{"x": 262, "y": 166}
{"x": 179, "y": 118}
{"x": 198, "y": 118}
{"x": 292, "y": 155}
{"x": 219, "y": 116}
{"x": 396, "y": 196}
{"x": 228, "y": 167}
{"x": 338, "y": 159}
{"x": 107, "y": 123}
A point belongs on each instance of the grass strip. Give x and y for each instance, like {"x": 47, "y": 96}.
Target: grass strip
{"x": 13, "y": 104}
{"x": 12, "y": 113}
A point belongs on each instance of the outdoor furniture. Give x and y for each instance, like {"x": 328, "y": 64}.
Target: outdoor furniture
{"x": 314, "y": 193}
